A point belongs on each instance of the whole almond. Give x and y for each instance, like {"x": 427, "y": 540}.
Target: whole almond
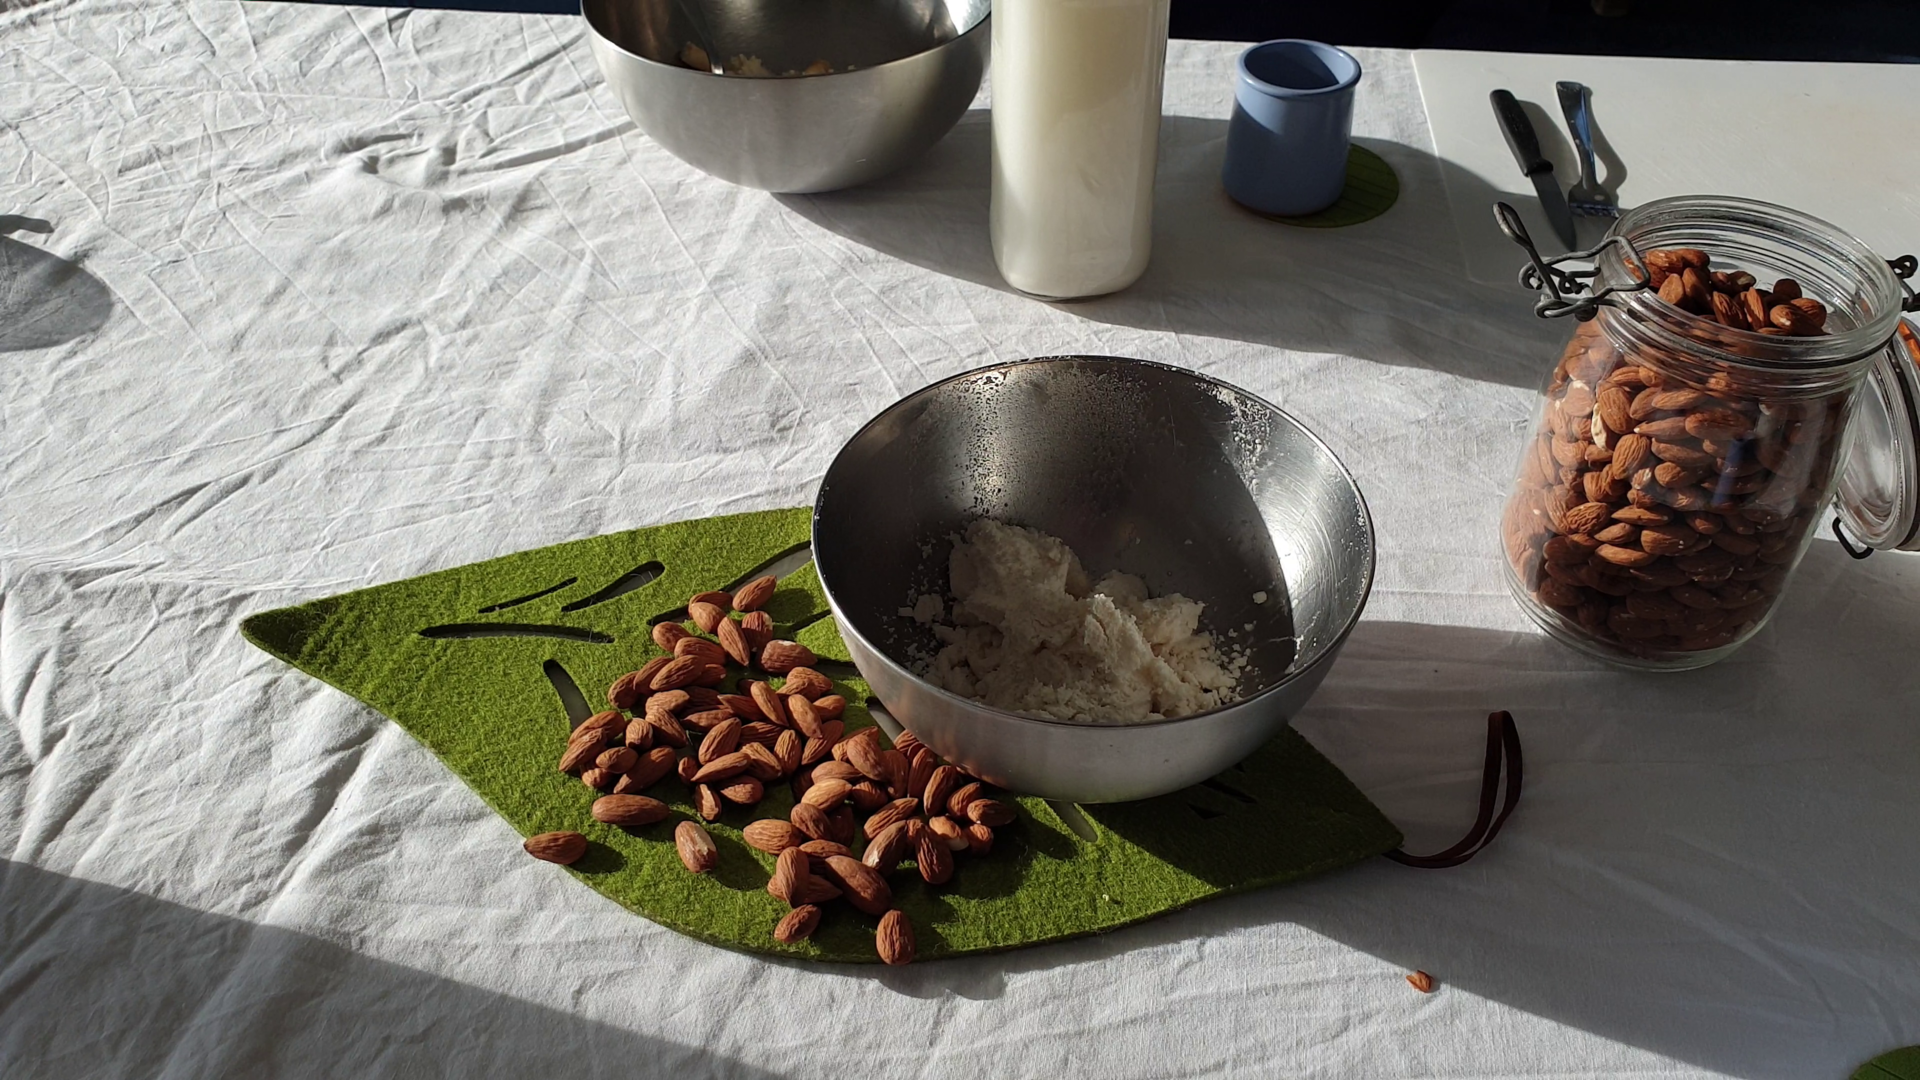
{"x": 893, "y": 813}
{"x": 1641, "y": 515}
{"x": 894, "y": 939}
{"x": 743, "y": 791}
{"x": 771, "y": 705}
{"x": 1624, "y": 556}
{"x": 707, "y": 651}
{"x": 708, "y": 719}
{"x": 1753, "y": 307}
{"x": 652, "y": 767}
{"x": 686, "y": 767}
{"x": 865, "y": 889}
{"x": 670, "y": 701}
{"x": 723, "y": 739}
{"x": 826, "y": 794}
{"x": 1695, "y": 284}
{"x": 696, "y": 847}
{"x": 1721, "y": 425}
{"x": 1792, "y": 320}
{"x": 754, "y": 594}
{"x": 723, "y": 767}
{"x": 841, "y": 826}
{"x": 887, "y": 848}
{"x": 1617, "y": 533}
{"x": 1611, "y": 406}
{"x": 821, "y": 850}
{"x": 628, "y": 689}
{"x": 601, "y": 725}
{"x": 742, "y": 706}
{"x": 1587, "y": 517}
{"x": 617, "y": 760}
{"x": 1674, "y": 291}
{"x": 811, "y": 820}
{"x": 667, "y": 729}
{"x": 780, "y": 657}
{"x": 908, "y": 743}
{"x": 1665, "y": 429}
{"x": 836, "y": 770}
{"x": 933, "y": 858}
{"x": 979, "y": 839}
{"x": 966, "y": 793}
{"x": 798, "y": 924}
{"x": 1421, "y": 981}
{"x": 762, "y": 763}
{"x": 819, "y": 891}
{"x": 1668, "y": 539}
{"x": 679, "y": 672}
{"x": 787, "y": 748}
{"x": 989, "y": 812}
{"x": 706, "y": 802}
{"x": 706, "y": 616}
{"x": 899, "y": 768}
{"x": 711, "y": 676}
{"x": 771, "y": 835}
{"x": 867, "y": 797}
{"x": 734, "y": 641}
{"x": 1785, "y": 290}
{"x": 865, "y": 755}
{"x": 949, "y": 831}
{"x": 805, "y": 682}
{"x": 757, "y": 628}
{"x": 804, "y": 717}
{"x": 1814, "y": 310}
{"x": 943, "y": 783}
{"x": 580, "y": 755}
{"x": 629, "y": 810}
{"x": 830, "y": 707}
{"x": 790, "y": 874}
{"x": 562, "y": 847}
{"x": 1630, "y": 454}
{"x": 668, "y": 634}
{"x": 640, "y": 735}
{"x": 1728, "y": 311}
{"x": 599, "y": 779}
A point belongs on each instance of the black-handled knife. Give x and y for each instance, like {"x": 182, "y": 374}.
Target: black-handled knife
{"x": 1526, "y": 150}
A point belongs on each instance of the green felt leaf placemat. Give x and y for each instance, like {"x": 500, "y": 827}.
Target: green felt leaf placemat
{"x": 1901, "y": 1064}
{"x": 475, "y": 662}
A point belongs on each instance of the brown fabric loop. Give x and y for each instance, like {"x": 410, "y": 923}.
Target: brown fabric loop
{"x": 1503, "y": 749}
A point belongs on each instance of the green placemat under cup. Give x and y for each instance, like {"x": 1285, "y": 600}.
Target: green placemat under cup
{"x": 1372, "y": 189}
{"x": 468, "y": 660}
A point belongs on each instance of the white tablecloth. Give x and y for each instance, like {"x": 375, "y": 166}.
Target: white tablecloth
{"x": 363, "y": 293}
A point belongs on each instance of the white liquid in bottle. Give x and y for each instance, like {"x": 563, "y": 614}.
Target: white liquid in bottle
{"x": 1076, "y": 123}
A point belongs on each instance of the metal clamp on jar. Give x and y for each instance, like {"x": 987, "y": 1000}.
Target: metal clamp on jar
{"x": 1694, "y": 433}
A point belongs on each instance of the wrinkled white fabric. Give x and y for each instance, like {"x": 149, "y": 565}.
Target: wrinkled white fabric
{"x": 365, "y": 293}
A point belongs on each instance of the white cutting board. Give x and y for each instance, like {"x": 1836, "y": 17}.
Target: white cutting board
{"x": 1832, "y": 140}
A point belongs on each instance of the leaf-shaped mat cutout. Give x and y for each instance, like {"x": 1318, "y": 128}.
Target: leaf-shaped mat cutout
{"x": 472, "y": 661}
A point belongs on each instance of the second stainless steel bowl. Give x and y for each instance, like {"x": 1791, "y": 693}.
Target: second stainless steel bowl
{"x": 1192, "y": 484}
{"x": 917, "y": 66}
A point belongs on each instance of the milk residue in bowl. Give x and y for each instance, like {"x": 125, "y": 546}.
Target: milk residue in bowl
{"x": 1030, "y": 634}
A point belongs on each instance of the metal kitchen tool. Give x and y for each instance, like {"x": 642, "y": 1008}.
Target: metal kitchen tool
{"x": 1525, "y": 144}
{"x": 1586, "y": 196}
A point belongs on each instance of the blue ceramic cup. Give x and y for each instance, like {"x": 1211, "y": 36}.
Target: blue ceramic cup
{"x": 1292, "y": 119}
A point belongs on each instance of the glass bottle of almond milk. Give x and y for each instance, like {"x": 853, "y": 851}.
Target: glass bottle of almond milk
{"x": 1076, "y": 120}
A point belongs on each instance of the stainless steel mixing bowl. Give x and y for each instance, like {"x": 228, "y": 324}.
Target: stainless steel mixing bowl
{"x": 1192, "y": 484}
{"x": 917, "y": 66}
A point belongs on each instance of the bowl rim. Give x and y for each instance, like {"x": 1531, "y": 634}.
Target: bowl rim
{"x": 1330, "y": 647}
{"x": 624, "y": 51}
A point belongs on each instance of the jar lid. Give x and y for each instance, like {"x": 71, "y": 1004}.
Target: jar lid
{"x": 1878, "y": 498}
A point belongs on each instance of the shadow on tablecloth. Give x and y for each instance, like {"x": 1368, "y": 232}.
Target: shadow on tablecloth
{"x": 1391, "y": 290}
{"x": 1716, "y": 866}
{"x": 103, "y": 981}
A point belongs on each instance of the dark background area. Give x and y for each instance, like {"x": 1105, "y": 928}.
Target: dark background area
{"x": 1867, "y": 30}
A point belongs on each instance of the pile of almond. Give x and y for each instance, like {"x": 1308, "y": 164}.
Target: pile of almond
{"x": 1668, "y": 494}
{"x": 860, "y": 808}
